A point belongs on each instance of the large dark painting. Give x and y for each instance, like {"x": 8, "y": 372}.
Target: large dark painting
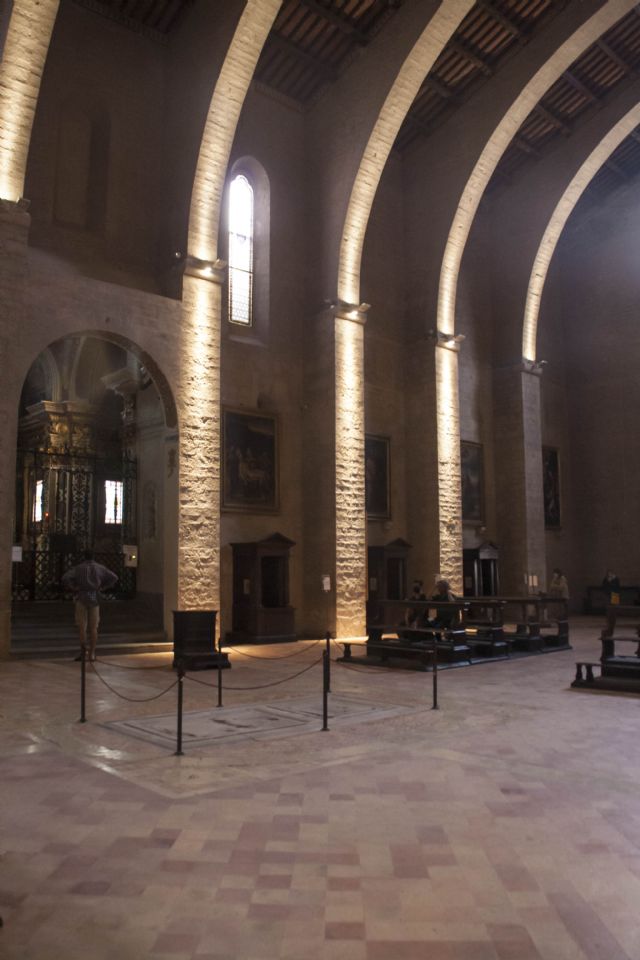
{"x": 471, "y": 464}
{"x": 376, "y": 454}
{"x": 250, "y": 458}
{"x": 551, "y": 486}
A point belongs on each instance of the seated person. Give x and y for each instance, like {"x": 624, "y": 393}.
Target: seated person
{"x": 417, "y": 616}
{"x": 443, "y": 593}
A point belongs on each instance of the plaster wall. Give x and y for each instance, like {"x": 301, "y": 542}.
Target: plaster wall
{"x": 262, "y": 367}
{"x": 126, "y": 92}
{"x": 599, "y": 285}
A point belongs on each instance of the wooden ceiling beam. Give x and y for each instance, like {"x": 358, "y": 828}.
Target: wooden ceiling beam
{"x": 500, "y": 18}
{"x": 616, "y": 58}
{"x": 524, "y": 146}
{"x": 433, "y": 83}
{"x": 292, "y": 48}
{"x": 580, "y": 87}
{"x": 552, "y": 119}
{"x": 341, "y": 23}
{"x": 471, "y": 57}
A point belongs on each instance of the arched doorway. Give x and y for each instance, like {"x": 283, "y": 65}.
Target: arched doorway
{"x": 90, "y": 473}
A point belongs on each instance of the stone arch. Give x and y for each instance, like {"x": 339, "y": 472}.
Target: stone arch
{"x": 25, "y": 51}
{"x": 417, "y": 65}
{"x": 220, "y": 126}
{"x": 488, "y": 160}
{"x": 558, "y": 220}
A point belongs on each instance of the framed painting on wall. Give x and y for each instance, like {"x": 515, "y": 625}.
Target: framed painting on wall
{"x": 551, "y": 487}
{"x": 376, "y": 458}
{"x": 250, "y": 462}
{"x": 472, "y": 469}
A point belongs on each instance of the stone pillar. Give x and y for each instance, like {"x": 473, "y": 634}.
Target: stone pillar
{"x": 333, "y": 472}
{"x": 351, "y": 519}
{"x": 14, "y": 229}
{"x": 434, "y": 512}
{"x": 518, "y": 471}
{"x": 199, "y": 444}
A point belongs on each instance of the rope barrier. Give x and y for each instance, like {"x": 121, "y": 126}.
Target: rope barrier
{"x": 133, "y": 699}
{"x": 261, "y": 686}
{"x": 286, "y": 656}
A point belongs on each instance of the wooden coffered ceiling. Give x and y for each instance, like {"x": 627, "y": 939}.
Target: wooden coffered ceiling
{"x": 313, "y": 41}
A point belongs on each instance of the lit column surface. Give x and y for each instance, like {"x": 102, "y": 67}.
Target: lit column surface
{"x": 21, "y": 68}
{"x": 351, "y": 547}
{"x": 199, "y": 403}
{"x": 449, "y": 482}
{"x": 558, "y": 219}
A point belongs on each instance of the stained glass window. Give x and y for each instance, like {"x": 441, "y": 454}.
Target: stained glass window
{"x": 37, "y": 502}
{"x": 113, "y": 501}
{"x": 241, "y": 251}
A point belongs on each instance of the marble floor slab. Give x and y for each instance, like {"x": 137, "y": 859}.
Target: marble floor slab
{"x": 504, "y": 826}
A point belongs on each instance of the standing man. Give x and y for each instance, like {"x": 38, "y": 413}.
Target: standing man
{"x": 86, "y": 581}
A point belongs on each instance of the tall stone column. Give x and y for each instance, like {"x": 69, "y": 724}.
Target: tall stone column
{"x": 333, "y": 472}
{"x": 518, "y": 470}
{"x": 199, "y": 442}
{"x": 434, "y": 512}
{"x": 14, "y": 229}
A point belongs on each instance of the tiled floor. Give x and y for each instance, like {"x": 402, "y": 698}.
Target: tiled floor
{"x": 506, "y": 826}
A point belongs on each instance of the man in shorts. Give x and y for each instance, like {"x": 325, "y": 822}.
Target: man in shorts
{"x": 86, "y": 580}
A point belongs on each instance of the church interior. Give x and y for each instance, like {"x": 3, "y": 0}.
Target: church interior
{"x": 305, "y": 301}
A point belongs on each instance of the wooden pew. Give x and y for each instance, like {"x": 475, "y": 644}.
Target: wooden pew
{"x": 535, "y": 630}
{"x": 390, "y": 635}
{"x": 484, "y": 627}
{"x": 618, "y": 671}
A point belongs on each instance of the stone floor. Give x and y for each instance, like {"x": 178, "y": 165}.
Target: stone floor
{"x": 505, "y": 826}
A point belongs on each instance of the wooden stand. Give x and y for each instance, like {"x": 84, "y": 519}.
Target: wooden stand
{"x": 194, "y": 641}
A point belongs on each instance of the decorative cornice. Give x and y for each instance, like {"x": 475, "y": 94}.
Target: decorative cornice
{"x": 357, "y": 313}
{"x": 215, "y": 271}
{"x": 534, "y": 367}
{"x": 450, "y": 341}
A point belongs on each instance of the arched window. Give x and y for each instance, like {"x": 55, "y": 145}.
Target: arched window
{"x": 241, "y": 251}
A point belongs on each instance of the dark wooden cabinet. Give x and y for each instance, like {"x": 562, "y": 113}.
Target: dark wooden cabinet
{"x": 387, "y": 571}
{"x": 480, "y": 571}
{"x": 261, "y": 610}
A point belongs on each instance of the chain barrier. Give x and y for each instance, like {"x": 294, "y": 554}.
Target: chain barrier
{"x": 286, "y": 656}
{"x": 433, "y": 650}
{"x": 132, "y": 699}
{"x": 262, "y": 686}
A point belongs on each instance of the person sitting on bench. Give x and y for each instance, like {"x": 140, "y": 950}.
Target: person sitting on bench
{"x": 443, "y": 594}
{"x": 416, "y": 617}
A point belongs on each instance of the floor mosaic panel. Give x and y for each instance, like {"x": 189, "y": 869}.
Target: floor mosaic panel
{"x": 283, "y": 718}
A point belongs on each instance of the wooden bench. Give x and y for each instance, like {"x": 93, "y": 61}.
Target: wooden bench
{"x": 535, "y": 629}
{"x": 588, "y": 680}
{"x": 389, "y": 635}
{"x": 618, "y": 672}
{"x": 484, "y": 627}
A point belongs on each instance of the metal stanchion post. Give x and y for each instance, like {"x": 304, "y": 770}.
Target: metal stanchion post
{"x": 325, "y": 690}
{"x": 435, "y": 675}
{"x": 327, "y": 638}
{"x": 83, "y": 684}
{"x": 219, "y": 684}
{"x": 179, "y": 752}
